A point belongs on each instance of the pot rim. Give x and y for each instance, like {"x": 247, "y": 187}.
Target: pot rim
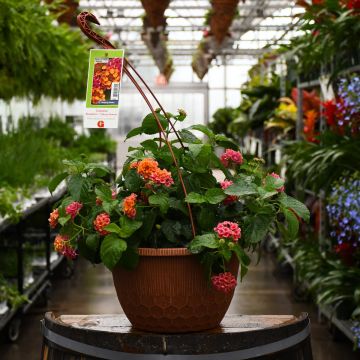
{"x": 164, "y": 252}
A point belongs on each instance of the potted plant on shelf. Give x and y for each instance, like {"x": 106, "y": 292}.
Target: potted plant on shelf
{"x": 170, "y": 232}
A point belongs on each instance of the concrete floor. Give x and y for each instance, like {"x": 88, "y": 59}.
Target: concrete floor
{"x": 264, "y": 291}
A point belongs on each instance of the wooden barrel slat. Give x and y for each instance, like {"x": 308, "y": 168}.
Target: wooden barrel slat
{"x": 243, "y": 335}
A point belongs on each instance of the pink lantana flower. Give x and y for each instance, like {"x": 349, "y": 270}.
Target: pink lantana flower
{"x": 230, "y": 157}
{"x": 224, "y": 282}
{"x": 228, "y": 229}
{"x": 73, "y": 209}
{"x": 162, "y": 177}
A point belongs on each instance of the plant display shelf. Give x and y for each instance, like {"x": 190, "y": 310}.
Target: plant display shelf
{"x": 344, "y": 326}
{"x": 40, "y": 201}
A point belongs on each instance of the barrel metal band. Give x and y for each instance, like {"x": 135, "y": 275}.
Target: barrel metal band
{"x": 107, "y": 354}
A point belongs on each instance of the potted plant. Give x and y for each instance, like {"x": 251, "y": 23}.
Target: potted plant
{"x": 170, "y": 232}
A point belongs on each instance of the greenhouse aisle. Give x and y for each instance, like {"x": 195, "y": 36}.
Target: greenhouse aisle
{"x": 264, "y": 291}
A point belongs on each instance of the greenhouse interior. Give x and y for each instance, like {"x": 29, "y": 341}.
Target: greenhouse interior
{"x": 180, "y": 179}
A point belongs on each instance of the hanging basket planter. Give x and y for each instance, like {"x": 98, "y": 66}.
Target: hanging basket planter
{"x": 67, "y": 10}
{"x": 168, "y": 292}
{"x": 201, "y": 63}
{"x": 155, "y": 13}
{"x": 155, "y": 41}
{"x": 222, "y": 17}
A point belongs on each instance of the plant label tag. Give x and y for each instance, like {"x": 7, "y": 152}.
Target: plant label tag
{"x": 103, "y": 88}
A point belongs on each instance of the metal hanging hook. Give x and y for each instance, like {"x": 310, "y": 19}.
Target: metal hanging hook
{"x": 82, "y": 20}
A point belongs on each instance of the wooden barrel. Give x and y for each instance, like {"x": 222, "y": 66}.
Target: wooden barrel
{"x": 272, "y": 337}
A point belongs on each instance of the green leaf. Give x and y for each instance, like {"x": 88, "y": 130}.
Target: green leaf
{"x": 258, "y": 227}
{"x": 148, "y": 219}
{"x": 100, "y": 170}
{"x": 243, "y": 271}
{"x": 178, "y": 205}
{"x": 133, "y": 182}
{"x": 266, "y": 194}
{"x": 93, "y": 242}
{"x": 161, "y": 200}
{"x": 194, "y": 198}
{"x": 87, "y": 251}
{"x": 188, "y": 137}
{"x": 79, "y": 187}
{"x": 111, "y": 250}
{"x": 272, "y": 183}
{"x": 292, "y": 223}
{"x": 128, "y": 226}
{"x": 225, "y": 142}
{"x": 134, "y": 132}
{"x": 150, "y": 145}
{"x": 226, "y": 254}
{"x": 195, "y": 149}
{"x": 203, "y": 241}
{"x": 299, "y": 208}
{"x": 241, "y": 188}
{"x": 243, "y": 258}
{"x": 206, "y": 218}
{"x": 113, "y": 228}
{"x": 104, "y": 192}
{"x": 54, "y": 183}
{"x": 149, "y": 125}
{"x": 129, "y": 259}
{"x": 171, "y": 229}
{"x": 215, "y": 195}
{"x": 64, "y": 219}
{"x": 204, "y": 129}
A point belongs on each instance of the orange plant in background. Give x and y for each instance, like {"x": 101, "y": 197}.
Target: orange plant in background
{"x": 311, "y": 109}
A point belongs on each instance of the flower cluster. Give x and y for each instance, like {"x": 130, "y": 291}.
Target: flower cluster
{"x": 129, "y": 206}
{"x": 105, "y": 74}
{"x": 224, "y": 282}
{"x": 230, "y": 198}
{"x": 53, "y": 219}
{"x": 228, "y": 230}
{"x": 311, "y": 105}
{"x": 62, "y": 246}
{"x": 356, "y": 331}
{"x": 344, "y": 212}
{"x": 100, "y": 222}
{"x": 149, "y": 169}
{"x": 343, "y": 113}
{"x": 231, "y": 157}
{"x": 73, "y": 209}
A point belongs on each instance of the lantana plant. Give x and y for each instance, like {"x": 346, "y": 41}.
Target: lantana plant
{"x": 167, "y": 196}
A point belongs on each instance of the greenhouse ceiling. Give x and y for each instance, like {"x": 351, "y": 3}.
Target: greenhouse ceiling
{"x": 259, "y": 23}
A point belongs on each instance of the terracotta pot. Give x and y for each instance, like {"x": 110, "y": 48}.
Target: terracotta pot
{"x": 168, "y": 292}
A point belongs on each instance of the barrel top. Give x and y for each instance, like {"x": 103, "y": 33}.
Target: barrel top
{"x": 236, "y": 333}
{"x": 117, "y": 323}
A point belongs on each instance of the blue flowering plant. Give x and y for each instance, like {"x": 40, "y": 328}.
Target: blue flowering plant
{"x": 343, "y": 210}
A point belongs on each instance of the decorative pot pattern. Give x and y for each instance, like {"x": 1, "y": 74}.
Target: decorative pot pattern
{"x": 168, "y": 292}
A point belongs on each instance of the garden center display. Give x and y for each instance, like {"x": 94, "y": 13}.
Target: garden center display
{"x": 167, "y": 197}
{"x": 180, "y": 178}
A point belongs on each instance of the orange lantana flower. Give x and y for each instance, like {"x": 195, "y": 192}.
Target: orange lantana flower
{"x": 129, "y": 206}
{"x": 162, "y": 177}
{"x": 147, "y": 167}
